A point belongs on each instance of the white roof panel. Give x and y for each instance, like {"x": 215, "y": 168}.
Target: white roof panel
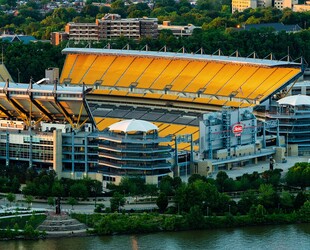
{"x": 133, "y": 125}
{"x": 295, "y": 100}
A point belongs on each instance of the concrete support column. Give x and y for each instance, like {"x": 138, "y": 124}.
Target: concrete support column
{"x": 57, "y": 152}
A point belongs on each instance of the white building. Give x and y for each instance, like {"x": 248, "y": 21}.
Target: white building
{"x": 177, "y": 30}
{"x": 264, "y": 3}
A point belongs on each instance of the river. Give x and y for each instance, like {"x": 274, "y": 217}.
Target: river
{"x": 284, "y": 237}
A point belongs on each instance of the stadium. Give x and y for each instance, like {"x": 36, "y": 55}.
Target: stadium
{"x": 64, "y": 118}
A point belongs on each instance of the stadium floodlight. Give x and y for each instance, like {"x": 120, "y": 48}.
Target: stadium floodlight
{"x": 259, "y": 96}
{"x": 200, "y": 91}
{"x": 42, "y": 80}
{"x": 98, "y": 82}
{"x": 234, "y": 93}
{"x": 67, "y": 81}
{"x": 133, "y": 84}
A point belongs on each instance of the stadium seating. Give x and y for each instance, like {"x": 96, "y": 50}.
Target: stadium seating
{"x": 237, "y": 81}
{"x": 115, "y": 70}
{"x": 81, "y": 67}
{"x": 187, "y": 75}
{"x": 272, "y": 82}
{"x": 222, "y": 76}
{"x": 167, "y": 76}
{"x": 204, "y": 76}
{"x": 98, "y": 68}
{"x": 69, "y": 64}
{"x": 133, "y": 72}
{"x": 152, "y": 72}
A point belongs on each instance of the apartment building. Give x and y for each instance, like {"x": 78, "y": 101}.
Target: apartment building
{"x": 282, "y": 4}
{"x": 58, "y": 37}
{"x": 82, "y": 31}
{"x": 113, "y": 26}
{"x": 241, "y": 5}
{"x": 302, "y": 7}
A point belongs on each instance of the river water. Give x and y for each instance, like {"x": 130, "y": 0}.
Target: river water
{"x": 284, "y": 237}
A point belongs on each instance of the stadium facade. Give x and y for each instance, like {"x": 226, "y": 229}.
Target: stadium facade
{"x": 99, "y": 87}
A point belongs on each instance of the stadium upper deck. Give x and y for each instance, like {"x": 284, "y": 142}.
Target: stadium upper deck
{"x": 178, "y": 77}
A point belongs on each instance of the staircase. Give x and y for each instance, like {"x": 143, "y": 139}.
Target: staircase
{"x": 56, "y": 224}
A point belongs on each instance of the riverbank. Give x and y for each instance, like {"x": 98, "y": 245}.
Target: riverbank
{"x": 112, "y": 224}
{"x": 39, "y": 226}
{"x": 128, "y": 224}
{"x": 288, "y": 237}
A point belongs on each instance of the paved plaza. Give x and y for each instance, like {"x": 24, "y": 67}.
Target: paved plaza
{"x": 263, "y": 166}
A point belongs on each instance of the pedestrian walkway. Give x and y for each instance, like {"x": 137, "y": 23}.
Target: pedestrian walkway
{"x": 263, "y": 166}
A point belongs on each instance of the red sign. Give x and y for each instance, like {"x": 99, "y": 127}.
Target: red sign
{"x": 237, "y": 129}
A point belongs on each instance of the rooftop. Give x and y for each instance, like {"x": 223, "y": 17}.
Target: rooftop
{"x": 185, "y": 56}
{"x": 132, "y": 126}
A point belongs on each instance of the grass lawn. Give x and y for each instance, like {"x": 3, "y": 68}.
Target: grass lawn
{"x": 33, "y": 220}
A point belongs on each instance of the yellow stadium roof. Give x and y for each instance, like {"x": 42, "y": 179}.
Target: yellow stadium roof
{"x": 190, "y": 79}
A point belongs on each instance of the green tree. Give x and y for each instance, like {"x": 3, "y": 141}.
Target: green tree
{"x": 299, "y": 200}
{"x": 57, "y": 189}
{"x": 286, "y": 201}
{"x": 258, "y": 213}
{"x": 304, "y": 212}
{"x": 117, "y": 201}
{"x": 30, "y": 232}
{"x": 248, "y": 199}
{"x": 221, "y": 177}
{"x": 294, "y": 176}
{"x": 51, "y": 201}
{"x": 72, "y": 201}
{"x": 78, "y": 190}
{"x": 268, "y": 196}
{"x": 195, "y": 177}
{"x": 162, "y": 202}
{"x": 30, "y": 189}
{"x": 29, "y": 200}
{"x": 11, "y": 197}
{"x": 15, "y": 185}
{"x": 166, "y": 185}
{"x": 195, "y": 217}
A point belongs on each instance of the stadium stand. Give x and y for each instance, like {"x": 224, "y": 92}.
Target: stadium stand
{"x": 155, "y": 86}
